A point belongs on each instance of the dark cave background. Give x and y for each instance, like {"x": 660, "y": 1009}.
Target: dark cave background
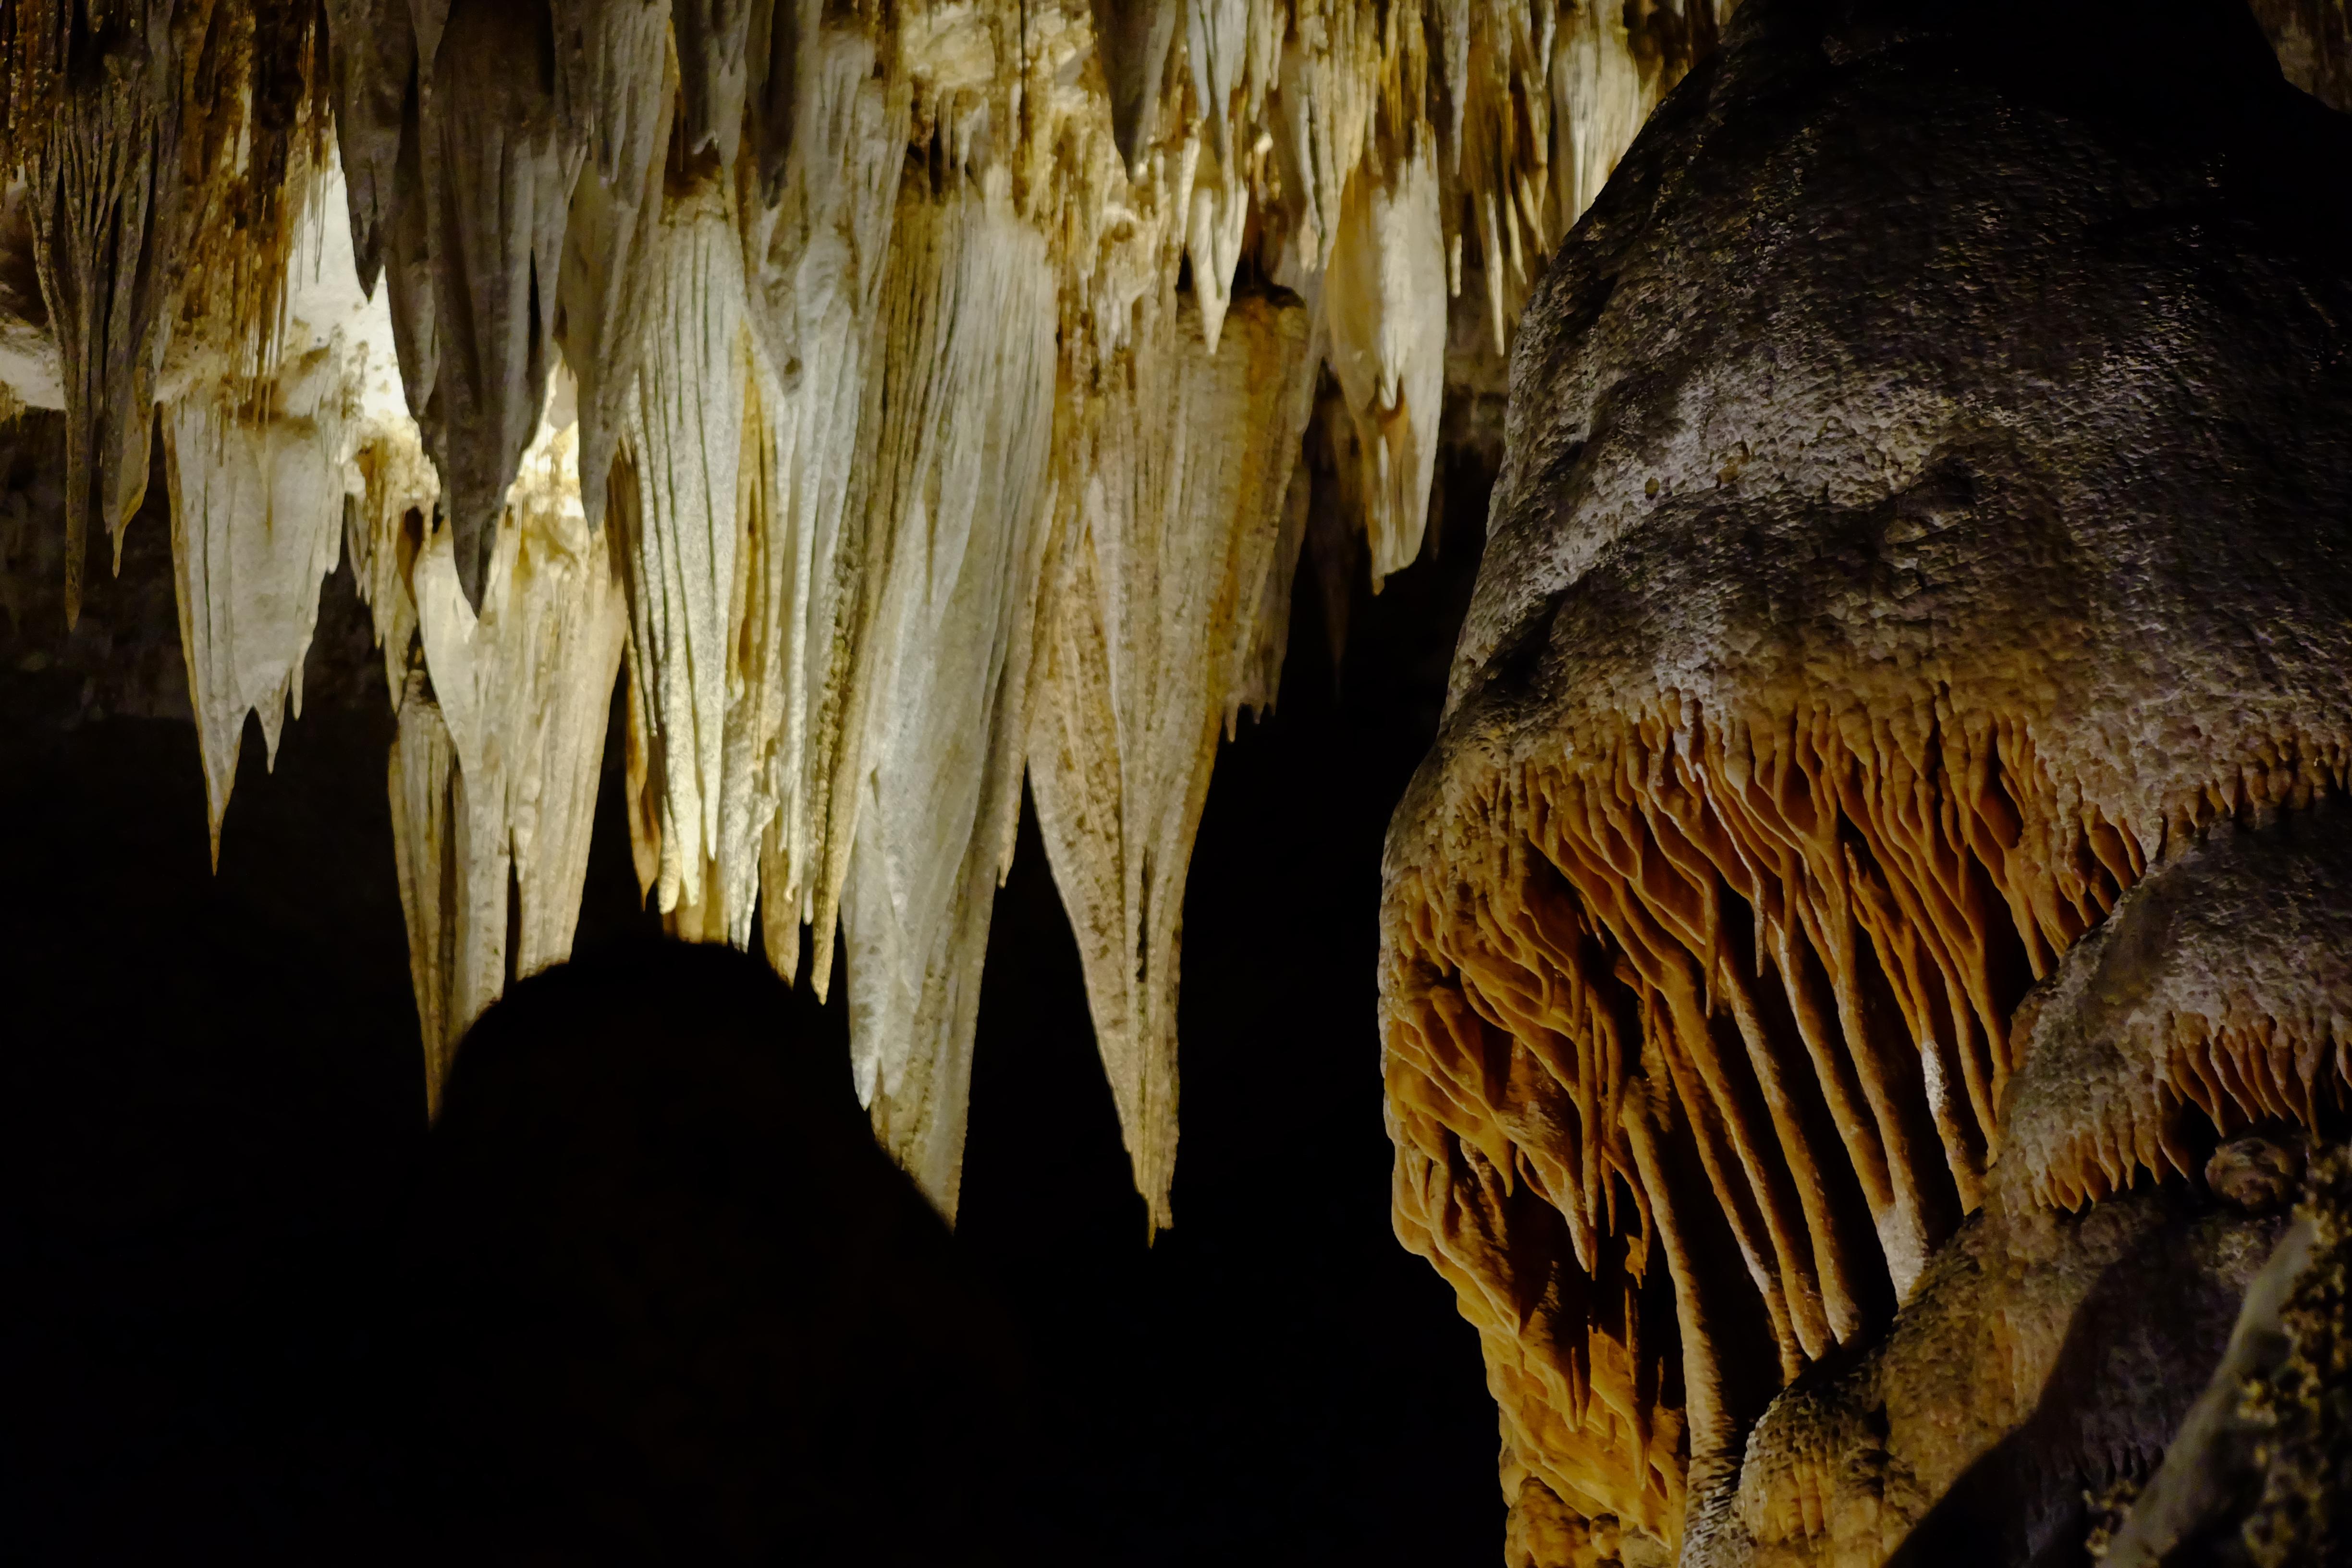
{"x": 213, "y": 1109}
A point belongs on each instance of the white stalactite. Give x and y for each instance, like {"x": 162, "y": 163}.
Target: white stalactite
{"x": 815, "y": 266}
{"x": 260, "y": 470}
{"x": 422, "y": 778}
{"x": 256, "y": 520}
{"x": 1600, "y": 93}
{"x": 1385, "y": 299}
{"x": 1151, "y": 644}
{"x": 1219, "y": 219}
{"x": 958, "y": 498}
{"x": 683, "y": 432}
{"x": 521, "y": 693}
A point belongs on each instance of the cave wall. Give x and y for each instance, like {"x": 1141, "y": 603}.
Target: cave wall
{"x": 1917, "y": 544}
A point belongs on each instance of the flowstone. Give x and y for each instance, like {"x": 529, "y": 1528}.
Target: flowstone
{"x": 1922, "y": 518}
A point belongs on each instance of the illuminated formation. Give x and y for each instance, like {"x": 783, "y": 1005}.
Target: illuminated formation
{"x": 1877, "y": 877}
{"x": 904, "y": 397}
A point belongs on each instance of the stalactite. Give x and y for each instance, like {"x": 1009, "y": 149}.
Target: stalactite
{"x": 1386, "y": 299}
{"x": 780, "y": 30}
{"x": 713, "y": 59}
{"x": 256, "y": 520}
{"x": 100, "y": 105}
{"x": 1149, "y": 644}
{"x": 942, "y": 371}
{"x": 1799, "y": 735}
{"x": 816, "y": 263}
{"x": 939, "y": 713}
{"x": 375, "y": 65}
{"x": 1603, "y": 84}
{"x": 261, "y": 459}
{"x": 1330, "y": 69}
{"x": 2219, "y": 988}
{"x": 1234, "y": 48}
{"x": 612, "y": 67}
{"x": 680, "y": 537}
{"x": 1133, "y": 40}
{"x": 385, "y": 528}
{"x": 421, "y": 783}
{"x": 1795, "y": 936}
{"x": 481, "y": 235}
{"x": 518, "y": 697}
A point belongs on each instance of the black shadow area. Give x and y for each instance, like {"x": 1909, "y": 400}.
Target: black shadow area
{"x": 1275, "y": 1379}
{"x": 211, "y": 1111}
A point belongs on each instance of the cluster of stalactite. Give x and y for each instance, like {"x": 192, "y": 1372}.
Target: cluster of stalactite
{"x": 1674, "y": 980}
{"x": 902, "y": 399}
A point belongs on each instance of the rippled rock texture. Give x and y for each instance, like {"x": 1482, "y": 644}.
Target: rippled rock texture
{"x": 1918, "y": 581}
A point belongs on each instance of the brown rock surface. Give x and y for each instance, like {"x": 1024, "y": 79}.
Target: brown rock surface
{"x": 2044, "y": 1359}
{"x": 1923, "y": 509}
{"x": 2260, "y": 1470}
{"x": 2221, "y": 985}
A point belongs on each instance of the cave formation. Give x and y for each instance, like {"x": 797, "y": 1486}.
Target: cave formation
{"x": 1862, "y": 973}
{"x": 1880, "y": 837}
{"x": 909, "y": 400}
